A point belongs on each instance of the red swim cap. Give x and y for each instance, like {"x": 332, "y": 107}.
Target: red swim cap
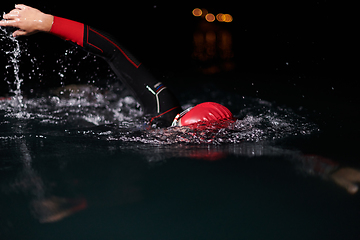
{"x": 207, "y": 111}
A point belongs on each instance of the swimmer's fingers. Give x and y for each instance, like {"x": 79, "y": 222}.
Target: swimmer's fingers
{"x": 347, "y": 178}
{"x": 9, "y": 23}
{"x": 17, "y": 24}
{"x": 15, "y": 13}
{"x": 12, "y": 19}
{"x": 13, "y": 23}
{"x": 20, "y": 32}
{"x": 21, "y": 6}
{"x": 12, "y": 14}
{"x": 348, "y": 185}
{"x": 29, "y": 20}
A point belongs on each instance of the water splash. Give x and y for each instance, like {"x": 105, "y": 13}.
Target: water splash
{"x": 14, "y": 54}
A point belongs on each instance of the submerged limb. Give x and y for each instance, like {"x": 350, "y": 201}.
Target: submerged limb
{"x": 54, "y": 209}
{"x": 344, "y": 177}
{"x": 347, "y": 178}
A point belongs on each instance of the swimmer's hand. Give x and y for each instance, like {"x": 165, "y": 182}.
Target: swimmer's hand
{"x": 347, "y": 178}
{"x": 28, "y": 20}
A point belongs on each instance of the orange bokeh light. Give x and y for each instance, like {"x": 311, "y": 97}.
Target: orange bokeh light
{"x": 220, "y": 17}
{"x": 228, "y": 18}
{"x": 197, "y": 12}
{"x": 210, "y": 17}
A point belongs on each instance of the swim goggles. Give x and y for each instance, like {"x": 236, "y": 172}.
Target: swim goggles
{"x": 178, "y": 116}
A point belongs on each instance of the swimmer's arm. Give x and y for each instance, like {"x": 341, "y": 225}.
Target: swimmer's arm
{"x": 346, "y": 177}
{"x": 28, "y": 20}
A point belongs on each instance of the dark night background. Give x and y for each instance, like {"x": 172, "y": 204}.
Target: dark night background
{"x": 297, "y": 53}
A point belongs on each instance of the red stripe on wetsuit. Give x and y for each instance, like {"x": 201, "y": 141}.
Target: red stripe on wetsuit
{"x": 73, "y": 31}
{"x": 121, "y": 61}
{"x": 121, "y": 50}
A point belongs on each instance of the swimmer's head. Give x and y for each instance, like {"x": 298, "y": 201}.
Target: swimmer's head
{"x": 208, "y": 111}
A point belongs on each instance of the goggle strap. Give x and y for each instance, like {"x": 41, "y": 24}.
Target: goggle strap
{"x": 179, "y": 115}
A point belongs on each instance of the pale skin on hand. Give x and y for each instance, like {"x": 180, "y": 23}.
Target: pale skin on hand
{"x": 28, "y": 20}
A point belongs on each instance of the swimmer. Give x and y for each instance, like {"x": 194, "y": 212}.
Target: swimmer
{"x": 158, "y": 103}
{"x": 156, "y": 100}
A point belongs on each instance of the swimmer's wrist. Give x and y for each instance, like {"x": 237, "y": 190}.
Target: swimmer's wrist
{"x": 46, "y": 23}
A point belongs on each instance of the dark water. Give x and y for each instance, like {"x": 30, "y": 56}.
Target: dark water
{"x": 78, "y": 163}
{"x": 94, "y": 169}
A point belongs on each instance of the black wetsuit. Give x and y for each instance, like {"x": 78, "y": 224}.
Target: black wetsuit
{"x": 156, "y": 100}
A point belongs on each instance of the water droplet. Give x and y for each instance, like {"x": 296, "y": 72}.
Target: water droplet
{"x": 14, "y": 55}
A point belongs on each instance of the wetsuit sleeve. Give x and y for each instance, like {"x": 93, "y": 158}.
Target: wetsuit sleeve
{"x": 319, "y": 166}
{"x": 68, "y": 30}
{"x": 156, "y": 100}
